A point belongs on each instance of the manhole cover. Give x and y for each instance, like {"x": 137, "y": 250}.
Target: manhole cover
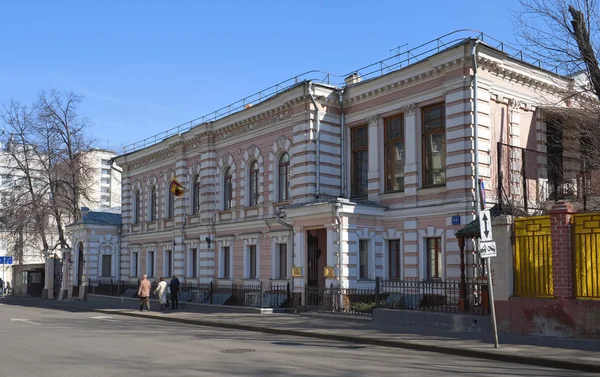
{"x": 238, "y": 350}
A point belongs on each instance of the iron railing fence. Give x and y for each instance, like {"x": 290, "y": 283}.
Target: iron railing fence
{"x": 530, "y": 182}
{"x": 427, "y": 295}
{"x": 395, "y": 62}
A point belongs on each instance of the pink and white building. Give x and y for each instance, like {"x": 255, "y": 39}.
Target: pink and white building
{"x": 321, "y": 184}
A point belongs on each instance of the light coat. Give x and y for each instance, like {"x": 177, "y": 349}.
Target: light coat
{"x": 161, "y": 292}
{"x": 144, "y": 290}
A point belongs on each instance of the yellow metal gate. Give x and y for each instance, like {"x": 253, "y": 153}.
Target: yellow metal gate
{"x": 586, "y": 255}
{"x": 533, "y": 257}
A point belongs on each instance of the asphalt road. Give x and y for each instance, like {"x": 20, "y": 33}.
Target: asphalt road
{"x": 40, "y": 342}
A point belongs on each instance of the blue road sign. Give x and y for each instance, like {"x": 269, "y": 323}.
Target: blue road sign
{"x": 5, "y": 260}
{"x": 455, "y": 220}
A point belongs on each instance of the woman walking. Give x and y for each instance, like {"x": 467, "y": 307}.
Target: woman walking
{"x": 161, "y": 292}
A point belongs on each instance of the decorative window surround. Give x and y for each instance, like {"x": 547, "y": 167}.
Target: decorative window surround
{"x": 278, "y": 238}
{"x": 392, "y": 234}
{"x": 251, "y": 240}
{"x": 225, "y": 242}
{"x": 281, "y": 146}
{"x": 430, "y": 232}
{"x": 364, "y": 234}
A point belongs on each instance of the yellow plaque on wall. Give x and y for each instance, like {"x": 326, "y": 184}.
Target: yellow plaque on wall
{"x": 296, "y": 271}
{"x": 329, "y": 272}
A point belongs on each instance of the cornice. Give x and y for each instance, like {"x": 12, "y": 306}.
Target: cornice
{"x": 500, "y": 70}
{"x": 434, "y": 72}
{"x": 249, "y": 124}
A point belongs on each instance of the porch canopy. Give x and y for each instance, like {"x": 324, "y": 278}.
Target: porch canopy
{"x": 469, "y": 231}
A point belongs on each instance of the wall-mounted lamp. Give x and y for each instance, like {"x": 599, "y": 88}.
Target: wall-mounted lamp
{"x": 70, "y": 260}
{"x": 208, "y": 241}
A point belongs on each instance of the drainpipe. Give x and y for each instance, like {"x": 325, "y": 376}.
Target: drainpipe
{"x": 476, "y": 126}
{"x": 342, "y": 146}
{"x": 119, "y": 254}
{"x": 318, "y": 125}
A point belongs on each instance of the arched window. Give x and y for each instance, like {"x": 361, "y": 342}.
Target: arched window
{"x": 196, "y": 196}
{"x": 227, "y": 189}
{"x": 138, "y": 207}
{"x": 153, "y": 204}
{"x": 170, "y": 205}
{"x": 253, "y": 183}
{"x": 284, "y": 182}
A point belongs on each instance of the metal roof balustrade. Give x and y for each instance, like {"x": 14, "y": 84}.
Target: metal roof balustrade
{"x": 380, "y": 68}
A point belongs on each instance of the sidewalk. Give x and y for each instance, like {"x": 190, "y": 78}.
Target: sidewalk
{"x": 582, "y": 355}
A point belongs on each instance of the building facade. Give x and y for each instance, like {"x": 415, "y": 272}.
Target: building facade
{"x": 322, "y": 184}
{"x": 105, "y": 176}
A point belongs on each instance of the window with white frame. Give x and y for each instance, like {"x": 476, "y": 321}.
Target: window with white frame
{"x": 196, "y": 196}
{"x": 394, "y": 259}
{"x": 135, "y": 264}
{"x": 227, "y": 189}
{"x": 284, "y": 181}
{"x": 150, "y": 263}
{"x": 251, "y": 260}
{"x": 434, "y": 257}
{"x": 137, "y": 208}
{"x": 106, "y": 265}
{"x": 363, "y": 256}
{"x": 253, "y": 189}
{"x": 170, "y": 204}
{"x": 282, "y": 253}
{"x": 168, "y": 263}
{"x": 194, "y": 260}
{"x": 152, "y": 204}
{"x": 225, "y": 262}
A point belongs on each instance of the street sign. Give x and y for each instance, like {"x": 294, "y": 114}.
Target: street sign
{"x": 5, "y": 260}
{"x": 487, "y": 249}
{"x": 485, "y": 226}
{"x": 455, "y": 220}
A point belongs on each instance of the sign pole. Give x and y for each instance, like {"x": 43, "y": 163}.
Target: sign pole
{"x": 492, "y": 305}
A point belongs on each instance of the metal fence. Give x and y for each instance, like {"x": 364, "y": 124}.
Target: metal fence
{"x": 218, "y": 293}
{"x": 529, "y": 182}
{"x": 586, "y": 256}
{"x": 427, "y": 295}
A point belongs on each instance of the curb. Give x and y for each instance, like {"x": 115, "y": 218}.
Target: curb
{"x": 185, "y": 303}
{"x": 480, "y": 354}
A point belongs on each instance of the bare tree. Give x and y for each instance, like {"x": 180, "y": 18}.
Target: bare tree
{"x": 46, "y": 157}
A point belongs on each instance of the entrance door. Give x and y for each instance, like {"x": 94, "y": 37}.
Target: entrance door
{"x": 35, "y": 283}
{"x": 313, "y": 260}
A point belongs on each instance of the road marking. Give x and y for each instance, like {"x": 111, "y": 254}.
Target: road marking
{"x": 25, "y": 320}
{"x": 104, "y": 318}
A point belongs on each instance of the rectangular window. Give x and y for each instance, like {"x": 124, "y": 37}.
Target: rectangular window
{"x": 106, "y": 266}
{"x": 394, "y": 153}
{"x": 150, "y": 263}
{"x": 105, "y": 171}
{"x": 105, "y": 180}
{"x": 252, "y": 261}
{"x": 434, "y": 145}
{"x": 434, "y": 258}
{"x": 105, "y": 162}
{"x": 194, "y": 263}
{"x": 226, "y": 262}
{"x": 359, "y": 161}
{"x": 394, "y": 259}
{"x": 104, "y": 189}
{"x": 283, "y": 261}
{"x": 363, "y": 250}
{"x": 135, "y": 268}
{"x": 168, "y": 264}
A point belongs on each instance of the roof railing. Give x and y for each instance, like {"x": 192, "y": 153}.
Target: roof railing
{"x": 380, "y": 68}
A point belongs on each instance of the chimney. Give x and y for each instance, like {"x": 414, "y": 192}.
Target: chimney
{"x": 84, "y": 211}
{"x": 353, "y": 79}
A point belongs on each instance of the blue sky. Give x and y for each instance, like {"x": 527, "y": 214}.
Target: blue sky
{"x": 146, "y": 66}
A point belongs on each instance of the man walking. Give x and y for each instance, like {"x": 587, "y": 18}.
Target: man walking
{"x": 144, "y": 293}
{"x": 174, "y": 285}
